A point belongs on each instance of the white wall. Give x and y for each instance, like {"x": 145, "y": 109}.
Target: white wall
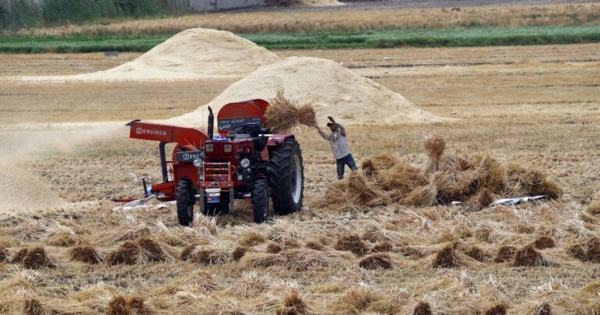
{"x": 211, "y": 5}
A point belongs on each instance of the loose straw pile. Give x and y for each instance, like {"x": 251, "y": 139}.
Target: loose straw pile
{"x": 283, "y": 115}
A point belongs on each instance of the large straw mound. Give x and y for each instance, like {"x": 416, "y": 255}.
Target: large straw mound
{"x": 476, "y": 181}
{"x": 283, "y": 114}
{"x": 192, "y": 54}
{"x": 331, "y": 89}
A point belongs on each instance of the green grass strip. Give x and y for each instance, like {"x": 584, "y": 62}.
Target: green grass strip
{"x": 462, "y": 37}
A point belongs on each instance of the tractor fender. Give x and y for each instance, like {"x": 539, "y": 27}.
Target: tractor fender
{"x": 278, "y": 140}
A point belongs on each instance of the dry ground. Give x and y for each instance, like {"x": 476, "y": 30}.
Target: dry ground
{"x": 536, "y": 106}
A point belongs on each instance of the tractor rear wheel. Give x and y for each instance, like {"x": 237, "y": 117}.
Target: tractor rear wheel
{"x": 186, "y": 197}
{"x": 260, "y": 200}
{"x": 286, "y": 178}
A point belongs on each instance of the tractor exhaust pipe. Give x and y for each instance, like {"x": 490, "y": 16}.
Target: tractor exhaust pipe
{"x": 211, "y": 123}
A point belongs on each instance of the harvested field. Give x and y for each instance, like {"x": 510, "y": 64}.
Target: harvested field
{"x": 531, "y": 110}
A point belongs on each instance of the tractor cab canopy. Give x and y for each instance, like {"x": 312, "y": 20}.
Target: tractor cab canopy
{"x": 245, "y": 118}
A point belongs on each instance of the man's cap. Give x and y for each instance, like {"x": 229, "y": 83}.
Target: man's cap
{"x": 330, "y": 124}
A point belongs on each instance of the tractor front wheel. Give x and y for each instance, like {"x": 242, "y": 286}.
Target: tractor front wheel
{"x": 286, "y": 178}
{"x": 186, "y": 197}
{"x": 260, "y": 200}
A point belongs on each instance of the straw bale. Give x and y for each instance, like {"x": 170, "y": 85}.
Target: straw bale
{"x": 85, "y": 254}
{"x": 376, "y": 261}
{"x": 422, "y": 308}
{"x": 254, "y": 260}
{"x": 310, "y": 259}
{"x": 128, "y": 231}
{"x": 500, "y": 309}
{"x": 28, "y": 230}
{"x": 505, "y": 253}
{"x": 528, "y": 256}
{"x": 414, "y": 252}
{"x": 402, "y": 177}
{"x": 63, "y": 239}
{"x": 378, "y": 162}
{"x": 445, "y": 258}
{"x": 33, "y": 307}
{"x": 355, "y": 301}
{"x": 382, "y": 247}
{"x": 435, "y": 146}
{"x": 545, "y": 309}
{"x": 352, "y": 243}
{"x": 455, "y": 163}
{"x": 136, "y": 304}
{"x": 454, "y": 186}
{"x": 544, "y": 242}
{"x": 238, "y": 253}
{"x": 151, "y": 249}
{"x": 490, "y": 173}
{"x": 475, "y": 252}
{"x": 483, "y": 198}
{"x": 208, "y": 256}
{"x": 283, "y": 114}
{"x": 273, "y": 248}
{"x": 375, "y": 232}
{"x": 579, "y": 252}
{"x": 314, "y": 246}
{"x": 360, "y": 191}
{"x": 18, "y": 257}
{"x": 421, "y": 196}
{"x": 293, "y": 305}
{"x": 593, "y": 208}
{"x": 36, "y": 258}
{"x": 593, "y": 249}
{"x": 591, "y": 288}
{"x": 118, "y": 306}
{"x": 126, "y": 254}
{"x": 524, "y": 182}
{"x": 590, "y": 251}
{"x": 252, "y": 238}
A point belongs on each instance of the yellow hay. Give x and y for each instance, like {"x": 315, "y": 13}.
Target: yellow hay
{"x": 378, "y": 162}
{"x": 401, "y": 177}
{"x": 283, "y": 115}
{"x": 376, "y": 261}
{"x": 255, "y": 260}
{"x": 85, "y": 254}
{"x": 490, "y": 173}
{"x": 352, "y": 243}
{"x": 435, "y": 146}
{"x": 421, "y": 196}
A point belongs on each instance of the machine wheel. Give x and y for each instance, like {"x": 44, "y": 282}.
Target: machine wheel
{"x": 186, "y": 197}
{"x": 286, "y": 178}
{"x": 214, "y": 209}
{"x": 260, "y": 200}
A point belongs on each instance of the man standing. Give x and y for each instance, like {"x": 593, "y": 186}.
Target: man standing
{"x": 339, "y": 145}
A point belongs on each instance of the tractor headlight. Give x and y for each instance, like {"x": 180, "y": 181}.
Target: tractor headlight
{"x": 198, "y": 162}
{"x": 227, "y": 148}
{"x": 209, "y": 147}
{"x": 245, "y": 163}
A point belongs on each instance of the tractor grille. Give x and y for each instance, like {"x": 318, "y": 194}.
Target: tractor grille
{"x": 217, "y": 172}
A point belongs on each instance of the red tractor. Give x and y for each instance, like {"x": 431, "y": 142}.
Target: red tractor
{"x": 243, "y": 161}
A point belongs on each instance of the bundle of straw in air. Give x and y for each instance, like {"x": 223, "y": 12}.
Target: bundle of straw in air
{"x": 283, "y": 115}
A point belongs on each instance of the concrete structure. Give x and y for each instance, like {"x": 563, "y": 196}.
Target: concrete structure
{"x": 212, "y": 5}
